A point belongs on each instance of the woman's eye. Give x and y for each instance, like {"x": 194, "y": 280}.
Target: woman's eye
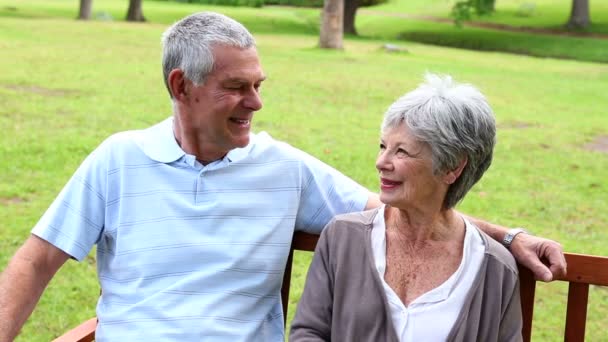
{"x": 382, "y": 147}
{"x": 401, "y": 152}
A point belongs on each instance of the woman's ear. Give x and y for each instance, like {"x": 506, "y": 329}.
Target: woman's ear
{"x": 451, "y": 176}
{"x": 177, "y": 84}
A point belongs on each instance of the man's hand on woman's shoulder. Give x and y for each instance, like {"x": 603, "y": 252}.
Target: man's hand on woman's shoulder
{"x": 544, "y": 257}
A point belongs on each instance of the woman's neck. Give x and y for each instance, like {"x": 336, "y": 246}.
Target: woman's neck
{"x": 419, "y": 227}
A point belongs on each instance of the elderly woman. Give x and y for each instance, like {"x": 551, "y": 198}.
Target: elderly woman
{"x": 415, "y": 269}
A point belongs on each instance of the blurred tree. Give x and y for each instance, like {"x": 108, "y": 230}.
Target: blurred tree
{"x": 350, "y": 12}
{"x": 135, "y": 11}
{"x": 331, "y": 34}
{"x": 579, "y": 16}
{"x": 84, "y": 12}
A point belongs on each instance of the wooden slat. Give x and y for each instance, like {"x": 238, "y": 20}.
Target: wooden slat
{"x": 85, "y": 332}
{"x": 305, "y": 241}
{"x": 576, "y": 313}
{"x": 286, "y": 286}
{"x": 527, "y": 289}
{"x": 588, "y": 269}
{"x": 302, "y": 242}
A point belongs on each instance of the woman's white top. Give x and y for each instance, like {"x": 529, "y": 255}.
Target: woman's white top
{"x": 431, "y": 316}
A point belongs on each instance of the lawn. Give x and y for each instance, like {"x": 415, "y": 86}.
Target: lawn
{"x": 518, "y": 13}
{"x": 409, "y": 20}
{"x": 65, "y": 85}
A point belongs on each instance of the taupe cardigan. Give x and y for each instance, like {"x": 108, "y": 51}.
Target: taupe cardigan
{"x": 344, "y": 300}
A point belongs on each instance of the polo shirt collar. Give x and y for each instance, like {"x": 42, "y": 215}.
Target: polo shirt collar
{"x": 159, "y": 144}
{"x": 240, "y": 153}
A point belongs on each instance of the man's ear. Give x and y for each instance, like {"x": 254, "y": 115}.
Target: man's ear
{"x": 451, "y": 176}
{"x": 178, "y": 84}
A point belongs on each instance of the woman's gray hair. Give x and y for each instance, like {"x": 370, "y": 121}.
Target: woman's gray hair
{"x": 456, "y": 121}
{"x": 187, "y": 44}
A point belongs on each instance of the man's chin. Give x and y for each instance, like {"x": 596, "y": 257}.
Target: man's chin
{"x": 241, "y": 142}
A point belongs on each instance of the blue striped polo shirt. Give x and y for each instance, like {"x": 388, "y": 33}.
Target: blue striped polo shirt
{"x": 187, "y": 252}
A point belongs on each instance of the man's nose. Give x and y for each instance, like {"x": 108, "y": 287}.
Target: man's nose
{"x": 253, "y": 100}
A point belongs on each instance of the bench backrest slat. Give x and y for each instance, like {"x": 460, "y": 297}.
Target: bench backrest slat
{"x": 576, "y": 312}
{"x": 527, "y": 289}
{"x": 587, "y": 269}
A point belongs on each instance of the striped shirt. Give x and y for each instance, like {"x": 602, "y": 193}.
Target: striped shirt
{"x": 192, "y": 252}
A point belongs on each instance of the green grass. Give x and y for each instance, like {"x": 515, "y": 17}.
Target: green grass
{"x": 387, "y": 21}
{"x": 65, "y": 85}
{"x": 518, "y": 13}
{"x": 446, "y": 34}
{"x": 380, "y": 22}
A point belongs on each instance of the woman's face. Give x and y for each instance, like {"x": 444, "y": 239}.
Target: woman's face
{"x": 406, "y": 171}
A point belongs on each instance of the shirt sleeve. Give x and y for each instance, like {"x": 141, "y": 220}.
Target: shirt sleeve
{"x": 75, "y": 220}
{"x": 326, "y": 192}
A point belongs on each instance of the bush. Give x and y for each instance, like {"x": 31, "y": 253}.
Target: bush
{"x": 463, "y": 10}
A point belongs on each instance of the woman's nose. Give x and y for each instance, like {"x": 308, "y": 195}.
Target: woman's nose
{"x": 383, "y": 161}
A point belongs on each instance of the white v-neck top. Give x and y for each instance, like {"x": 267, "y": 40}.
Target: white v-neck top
{"x": 431, "y": 316}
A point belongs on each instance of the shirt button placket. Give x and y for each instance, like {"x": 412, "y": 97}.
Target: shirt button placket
{"x": 199, "y": 186}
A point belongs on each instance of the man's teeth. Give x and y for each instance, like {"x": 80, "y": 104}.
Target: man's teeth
{"x": 241, "y": 121}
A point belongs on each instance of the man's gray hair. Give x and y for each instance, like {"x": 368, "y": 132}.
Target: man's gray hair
{"x": 187, "y": 44}
{"x": 456, "y": 121}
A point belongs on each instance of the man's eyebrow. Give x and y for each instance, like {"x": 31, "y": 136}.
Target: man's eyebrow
{"x": 243, "y": 80}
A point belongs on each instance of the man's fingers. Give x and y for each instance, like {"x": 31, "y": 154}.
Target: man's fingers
{"x": 541, "y": 272}
{"x": 556, "y": 260}
{"x": 552, "y": 253}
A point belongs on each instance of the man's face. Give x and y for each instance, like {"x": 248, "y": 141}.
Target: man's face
{"x": 219, "y": 112}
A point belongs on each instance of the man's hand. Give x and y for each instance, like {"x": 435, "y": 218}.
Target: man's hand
{"x": 544, "y": 257}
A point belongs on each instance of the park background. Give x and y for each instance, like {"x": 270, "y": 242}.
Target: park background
{"x": 66, "y": 84}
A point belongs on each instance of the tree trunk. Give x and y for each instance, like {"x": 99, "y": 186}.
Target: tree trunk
{"x": 350, "y": 11}
{"x": 579, "y": 17}
{"x": 331, "y": 24}
{"x": 85, "y": 9}
{"x": 491, "y": 5}
{"x": 135, "y": 12}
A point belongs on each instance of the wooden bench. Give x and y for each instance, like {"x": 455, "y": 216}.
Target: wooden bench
{"x": 583, "y": 270}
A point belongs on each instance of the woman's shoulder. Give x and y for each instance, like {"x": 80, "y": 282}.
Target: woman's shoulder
{"x": 354, "y": 220}
{"x": 498, "y": 254}
{"x": 351, "y": 225}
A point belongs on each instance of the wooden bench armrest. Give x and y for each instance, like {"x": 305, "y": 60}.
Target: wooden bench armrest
{"x": 85, "y": 332}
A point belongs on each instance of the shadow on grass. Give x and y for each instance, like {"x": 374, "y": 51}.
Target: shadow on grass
{"x": 538, "y": 45}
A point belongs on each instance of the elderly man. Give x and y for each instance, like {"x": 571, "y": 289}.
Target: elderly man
{"x": 193, "y": 217}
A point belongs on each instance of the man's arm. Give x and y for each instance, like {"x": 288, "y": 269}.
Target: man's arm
{"x": 23, "y": 281}
{"x": 530, "y": 251}
{"x": 373, "y": 201}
